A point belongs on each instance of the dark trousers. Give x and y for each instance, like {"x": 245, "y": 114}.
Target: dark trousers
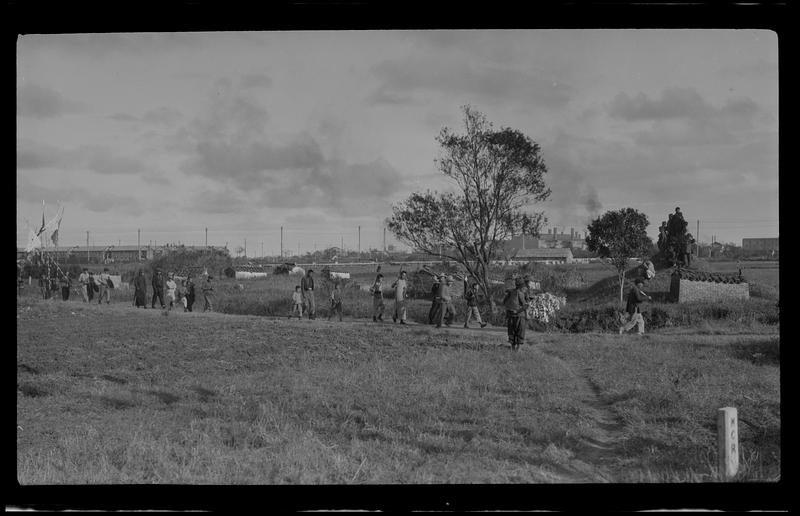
{"x": 64, "y": 293}
{"x": 157, "y": 294}
{"x": 446, "y": 313}
{"x": 336, "y": 308}
{"x": 189, "y": 302}
{"x": 516, "y": 329}
{"x": 90, "y": 292}
{"x": 140, "y": 299}
{"x": 435, "y": 313}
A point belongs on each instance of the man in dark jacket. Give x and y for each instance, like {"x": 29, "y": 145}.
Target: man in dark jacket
{"x": 140, "y": 290}
{"x": 433, "y": 313}
{"x": 158, "y": 289}
{"x": 307, "y": 289}
{"x": 190, "y": 292}
{"x": 516, "y": 305}
{"x": 635, "y": 296}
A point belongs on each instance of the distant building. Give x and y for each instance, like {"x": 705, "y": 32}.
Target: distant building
{"x": 760, "y": 245}
{"x": 112, "y": 254}
{"x": 559, "y": 255}
{"x": 550, "y": 240}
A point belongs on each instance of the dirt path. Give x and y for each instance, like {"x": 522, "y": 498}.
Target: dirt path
{"x": 594, "y": 458}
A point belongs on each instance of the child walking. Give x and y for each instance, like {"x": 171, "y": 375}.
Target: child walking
{"x": 297, "y": 303}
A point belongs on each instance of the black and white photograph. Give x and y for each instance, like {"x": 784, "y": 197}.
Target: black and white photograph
{"x": 398, "y": 257}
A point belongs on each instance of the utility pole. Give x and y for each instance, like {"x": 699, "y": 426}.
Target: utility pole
{"x": 281, "y": 242}
{"x": 87, "y": 247}
{"x": 245, "y": 248}
{"x": 384, "y": 240}
{"x": 359, "y": 242}
{"x": 262, "y": 248}
{"x": 341, "y": 247}
{"x": 697, "y": 237}
{"x": 206, "y": 237}
{"x": 138, "y": 245}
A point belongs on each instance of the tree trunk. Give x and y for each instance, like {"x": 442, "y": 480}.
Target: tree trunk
{"x": 621, "y": 283}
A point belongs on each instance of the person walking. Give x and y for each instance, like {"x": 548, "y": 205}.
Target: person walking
{"x": 433, "y": 313}
{"x": 336, "y": 302}
{"x": 471, "y": 297}
{"x": 83, "y": 280}
{"x": 158, "y": 289}
{"x": 66, "y": 283}
{"x": 635, "y": 297}
{"x": 400, "y": 287}
{"x": 208, "y": 294}
{"x": 516, "y": 305}
{"x": 446, "y": 311}
{"x": 307, "y": 287}
{"x": 106, "y": 285}
{"x": 377, "y": 299}
{"x": 171, "y": 290}
{"x": 190, "y": 292}
{"x": 140, "y": 290}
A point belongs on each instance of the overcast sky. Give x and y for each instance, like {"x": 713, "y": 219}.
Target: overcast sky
{"x": 321, "y": 131}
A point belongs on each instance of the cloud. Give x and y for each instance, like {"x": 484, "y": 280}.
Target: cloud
{"x": 256, "y": 80}
{"x": 158, "y": 116}
{"x": 98, "y": 159}
{"x": 90, "y": 200}
{"x": 400, "y": 78}
{"x": 685, "y": 103}
{"x": 102, "y": 45}
{"x": 40, "y": 102}
{"x": 217, "y": 201}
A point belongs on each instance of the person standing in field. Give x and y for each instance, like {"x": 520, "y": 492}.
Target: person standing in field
{"x": 105, "y": 287}
{"x": 297, "y": 303}
{"x": 140, "y": 290}
{"x": 400, "y": 287}
{"x": 190, "y": 292}
{"x": 182, "y": 294}
{"x": 158, "y": 289}
{"x": 336, "y": 302}
{"x": 307, "y": 287}
{"x": 171, "y": 289}
{"x": 83, "y": 280}
{"x": 93, "y": 286}
{"x": 471, "y": 297}
{"x": 516, "y": 304}
{"x": 208, "y": 294}
{"x": 635, "y": 297}
{"x": 433, "y": 313}
{"x": 377, "y": 299}
{"x": 446, "y": 311}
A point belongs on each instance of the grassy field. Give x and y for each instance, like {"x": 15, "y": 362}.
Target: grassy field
{"x": 110, "y": 394}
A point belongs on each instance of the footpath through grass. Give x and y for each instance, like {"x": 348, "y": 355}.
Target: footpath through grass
{"x": 110, "y": 394}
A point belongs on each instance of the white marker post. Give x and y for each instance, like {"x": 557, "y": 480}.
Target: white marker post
{"x": 728, "y": 442}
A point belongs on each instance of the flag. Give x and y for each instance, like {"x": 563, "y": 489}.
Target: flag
{"x": 33, "y": 241}
{"x": 43, "y": 223}
{"x": 54, "y": 223}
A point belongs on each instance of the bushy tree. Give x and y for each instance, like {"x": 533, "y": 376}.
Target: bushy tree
{"x": 619, "y": 236}
{"x": 497, "y": 175}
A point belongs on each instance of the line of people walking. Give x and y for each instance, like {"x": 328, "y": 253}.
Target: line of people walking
{"x": 170, "y": 293}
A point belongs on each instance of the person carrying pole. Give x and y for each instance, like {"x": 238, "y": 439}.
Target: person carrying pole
{"x": 140, "y": 290}
{"x": 471, "y": 297}
{"x": 83, "y": 280}
{"x": 446, "y": 312}
{"x": 158, "y": 289}
{"x": 377, "y": 299}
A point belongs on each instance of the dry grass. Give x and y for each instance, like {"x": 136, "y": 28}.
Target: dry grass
{"x": 109, "y": 394}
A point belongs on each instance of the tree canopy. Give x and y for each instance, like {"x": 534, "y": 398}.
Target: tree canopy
{"x": 619, "y": 236}
{"x": 497, "y": 175}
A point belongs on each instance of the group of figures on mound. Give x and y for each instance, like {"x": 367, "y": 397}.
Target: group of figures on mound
{"x": 674, "y": 243}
